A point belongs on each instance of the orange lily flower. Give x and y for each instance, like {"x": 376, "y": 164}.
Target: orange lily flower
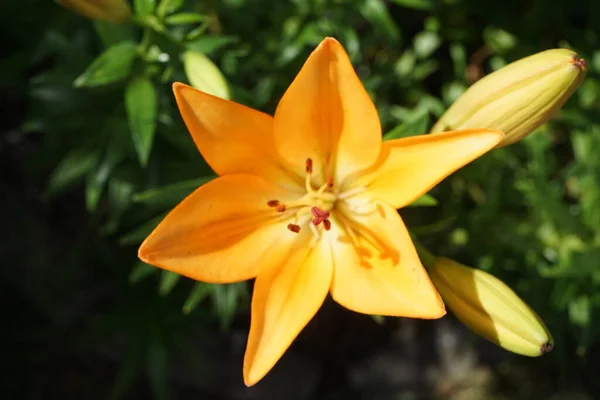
{"x": 305, "y": 202}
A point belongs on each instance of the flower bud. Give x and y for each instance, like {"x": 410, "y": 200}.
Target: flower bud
{"x": 490, "y": 308}
{"x": 106, "y": 10}
{"x": 519, "y": 97}
{"x": 203, "y": 74}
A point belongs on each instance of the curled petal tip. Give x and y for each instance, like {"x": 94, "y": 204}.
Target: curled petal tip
{"x": 579, "y": 62}
{"x": 547, "y": 347}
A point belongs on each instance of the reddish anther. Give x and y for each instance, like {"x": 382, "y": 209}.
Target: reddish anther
{"x": 280, "y": 208}
{"x": 309, "y": 166}
{"x": 319, "y": 215}
{"x": 326, "y": 224}
{"x": 330, "y": 182}
{"x": 273, "y": 203}
{"x": 294, "y": 228}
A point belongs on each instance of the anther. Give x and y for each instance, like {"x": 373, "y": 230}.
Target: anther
{"x": 273, "y": 203}
{"x": 330, "y": 182}
{"x": 280, "y": 208}
{"x": 294, "y": 228}
{"x": 309, "y": 165}
{"x": 326, "y": 224}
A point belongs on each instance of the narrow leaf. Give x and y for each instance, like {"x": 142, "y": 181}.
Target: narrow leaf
{"x": 140, "y": 271}
{"x": 415, "y": 126}
{"x": 111, "y": 66}
{"x": 168, "y": 280}
{"x": 144, "y": 7}
{"x": 199, "y": 293}
{"x": 184, "y": 18}
{"x": 142, "y": 107}
{"x": 426, "y": 200}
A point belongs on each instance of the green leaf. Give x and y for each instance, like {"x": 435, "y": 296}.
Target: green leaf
{"x": 168, "y": 196}
{"x": 416, "y": 126}
{"x": 157, "y": 370}
{"x": 425, "y": 43}
{"x": 416, "y": 4}
{"x": 426, "y": 200}
{"x": 168, "y": 6}
{"x": 203, "y": 74}
{"x": 200, "y": 292}
{"x": 111, "y": 66}
{"x": 140, "y": 271}
{"x": 144, "y": 7}
{"x": 226, "y": 299}
{"x": 74, "y": 166}
{"x": 185, "y": 18}
{"x": 168, "y": 280}
{"x": 114, "y": 154}
{"x": 111, "y": 33}
{"x": 210, "y": 43}
{"x": 376, "y": 12}
{"x": 142, "y": 107}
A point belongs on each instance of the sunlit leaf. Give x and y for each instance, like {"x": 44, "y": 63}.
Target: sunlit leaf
{"x": 426, "y": 200}
{"x": 144, "y": 7}
{"x": 184, "y": 18}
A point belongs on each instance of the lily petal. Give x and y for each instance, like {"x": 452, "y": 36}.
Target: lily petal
{"x": 377, "y": 269}
{"x": 231, "y": 137}
{"x": 285, "y": 299}
{"x": 410, "y": 167}
{"x": 327, "y": 115}
{"x": 223, "y": 232}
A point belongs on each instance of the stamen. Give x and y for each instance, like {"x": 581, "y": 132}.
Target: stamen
{"x": 273, "y": 203}
{"x": 330, "y": 182}
{"x": 280, "y": 208}
{"x": 349, "y": 193}
{"x": 294, "y": 228}
{"x": 309, "y": 165}
{"x": 326, "y": 224}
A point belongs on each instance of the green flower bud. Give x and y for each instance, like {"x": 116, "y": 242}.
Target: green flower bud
{"x": 519, "y": 97}
{"x": 490, "y": 308}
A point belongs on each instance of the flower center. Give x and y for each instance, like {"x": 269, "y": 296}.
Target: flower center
{"x": 316, "y": 204}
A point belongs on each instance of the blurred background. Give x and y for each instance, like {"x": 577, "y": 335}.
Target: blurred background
{"x": 93, "y": 153}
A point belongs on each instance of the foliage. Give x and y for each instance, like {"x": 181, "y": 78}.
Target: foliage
{"x": 99, "y": 99}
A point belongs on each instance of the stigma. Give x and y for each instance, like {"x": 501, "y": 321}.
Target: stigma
{"x": 313, "y": 208}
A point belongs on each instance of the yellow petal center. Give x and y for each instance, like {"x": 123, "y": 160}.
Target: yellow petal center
{"x": 316, "y": 206}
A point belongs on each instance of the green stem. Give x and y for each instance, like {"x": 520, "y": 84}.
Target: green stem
{"x": 427, "y": 258}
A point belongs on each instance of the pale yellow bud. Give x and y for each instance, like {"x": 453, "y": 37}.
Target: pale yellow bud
{"x": 203, "y": 74}
{"x": 105, "y": 10}
{"x": 490, "y": 308}
{"x": 519, "y": 97}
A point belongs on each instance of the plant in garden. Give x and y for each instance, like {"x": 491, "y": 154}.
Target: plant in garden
{"x": 137, "y": 164}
